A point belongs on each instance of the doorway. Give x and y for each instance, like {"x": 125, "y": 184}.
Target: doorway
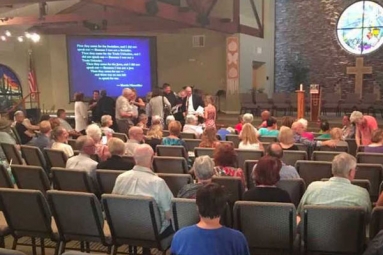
{"x": 259, "y": 75}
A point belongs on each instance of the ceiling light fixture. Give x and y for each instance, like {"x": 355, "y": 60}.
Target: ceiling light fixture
{"x": 20, "y": 39}
{"x": 8, "y": 33}
{"x": 3, "y": 38}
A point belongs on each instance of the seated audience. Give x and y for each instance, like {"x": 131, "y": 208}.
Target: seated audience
{"x": 60, "y": 140}
{"x": 136, "y": 137}
{"x": 82, "y": 161}
{"x": 348, "y": 130}
{"x": 364, "y": 125}
{"x": 55, "y": 122}
{"x": 375, "y": 246}
{"x": 265, "y": 115}
{"x": 142, "y": 121}
{"x": 248, "y": 118}
{"x": 156, "y": 120}
{"x": 338, "y": 191}
{"x": 142, "y": 181}
{"x": 106, "y": 123}
{"x": 191, "y": 126}
{"x": 209, "y": 139}
{"x": 325, "y": 130}
{"x": 94, "y": 132}
{"x": 249, "y": 139}
{"x": 223, "y": 132}
{"x": 43, "y": 139}
{"x": 308, "y": 135}
{"x": 168, "y": 120}
{"x": 209, "y": 237}
{"x": 287, "y": 121}
{"x": 225, "y": 160}
{"x": 287, "y": 172}
{"x": 174, "y": 133}
{"x": 23, "y": 132}
{"x": 336, "y": 137}
{"x": 265, "y": 176}
{"x": 203, "y": 169}
{"x": 286, "y": 139}
{"x": 61, "y": 115}
{"x": 271, "y": 128}
{"x": 238, "y": 127}
{"x": 377, "y": 142}
{"x": 154, "y": 136}
{"x": 117, "y": 149}
{"x": 299, "y": 130}
{"x": 5, "y": 137}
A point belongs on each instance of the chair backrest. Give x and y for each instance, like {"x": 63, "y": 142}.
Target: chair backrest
{"x": 243, "y": 155}
{"x": 185, "y": 212}
{"x": 129, "y": 160}
{"x": 84, "y": 222}
{"x": 302, "y": 147}
{"x": 106, "y": 179}
{"x": 376, "y": 221}
{"x": 170, "y": 165}
{"x": 72, "y": 143}
{"x": 343, "y": 231}
{"x": 26, "y": 212}
{"x": 371, "y": 158}
{"x": 291, "y": 157}
{"x": 268, "y": 139}
{"x": 30, "y": 177}
{"x": 165, "y": 133}
{"x": 360, "y": 148}
{"x": 56, "y": 158}
{"x": 295, "y": 187}
{"x": 192, "y": 143}
{"x": 324, "y": 155}
{"x": 142, "y": 216}
{"x": 72, "y": 180}
{"x": 373, "y": 173}
{"x": 352, "y": 147}
{"x": 199, "y": 151}
{"x": 11, "y": 153}
{"x": 121, "y": 136}
{"x": 266, "y": 225}
{"x": 249, "y": 166}
{"x": 338, "y": 148}
{"x": 185, "y": 135}
{"x": 311, "y": 171}
{"x": 233, "y": 138}
{"x": 171, "y": 151}
{"x": 33, "y": 156}
{"x": 175, "y": 182}
{"x": 5, "y": 178}
{"x": 233, "y": 186}
{"x": 16, "y": 135}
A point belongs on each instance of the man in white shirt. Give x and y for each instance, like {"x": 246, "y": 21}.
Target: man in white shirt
{"x": 136, "y": 136}
{"x": 142, "y": 181}
{"x": 83, "y": 161}
{"x": 191, "y": 126}
{"x": 191, "y": 102}
{"x": 125, "y": 112}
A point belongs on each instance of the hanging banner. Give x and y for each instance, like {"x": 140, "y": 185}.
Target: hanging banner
{"x": 232, "y": 65}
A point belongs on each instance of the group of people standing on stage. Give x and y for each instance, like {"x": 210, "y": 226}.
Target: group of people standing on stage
{"x": 129, "y": 110}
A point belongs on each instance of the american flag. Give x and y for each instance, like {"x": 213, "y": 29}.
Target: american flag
{"x": 32, "y": 77}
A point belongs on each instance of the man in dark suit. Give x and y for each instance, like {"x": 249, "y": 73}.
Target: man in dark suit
{"x": 106, "y": 106}
{"x": 117, "y": 149}
{"x": 191, "y": 103}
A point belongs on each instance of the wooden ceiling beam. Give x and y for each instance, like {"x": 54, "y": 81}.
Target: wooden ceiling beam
{"x": 168, "y": 12}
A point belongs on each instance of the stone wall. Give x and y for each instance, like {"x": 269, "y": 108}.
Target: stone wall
{"x": 306, "y": 31}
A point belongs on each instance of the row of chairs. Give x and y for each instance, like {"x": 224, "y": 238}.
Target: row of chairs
{"x": 135, "y": 220}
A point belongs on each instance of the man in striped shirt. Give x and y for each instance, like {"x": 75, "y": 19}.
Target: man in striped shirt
{"x": 338, "y": 191}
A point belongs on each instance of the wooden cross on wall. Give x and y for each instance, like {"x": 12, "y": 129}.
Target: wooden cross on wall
{"x": 359, "y": 70}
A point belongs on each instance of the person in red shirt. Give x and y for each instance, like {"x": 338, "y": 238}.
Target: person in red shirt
{"x": 265, "y": 115}
{"x": 364, "y": 124}
{"x": 238, "y": 127}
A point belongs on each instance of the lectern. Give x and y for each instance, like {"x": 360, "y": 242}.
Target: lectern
{"x": 315, "y": 101}
{"x": 300, "y": 103}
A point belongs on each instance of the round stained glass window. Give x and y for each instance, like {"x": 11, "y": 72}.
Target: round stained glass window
{"x": 360, "y": 27}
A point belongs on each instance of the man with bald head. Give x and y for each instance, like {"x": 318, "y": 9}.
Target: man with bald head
{"x": 43, "y": 139}
{"x": 191, "y": 102}
{"x": 125, "y": 113}
{"x": 136, "y": 137}
{"x": 82, "y": 161}
{"x": 143, "y": 182}
{"x": 287, "y": 172}
{"x": 298, "y": 129}
{"x": 265, "y": 115}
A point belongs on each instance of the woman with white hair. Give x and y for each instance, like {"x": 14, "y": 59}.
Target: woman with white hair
{"x": 203, "y": 169}
{"x": 106, "y": 123}
{"x": 60, "y": 137}
{"x": 94, "y": 132}
{"x": 191, "y": 126}
{"x": 305, "y": 134}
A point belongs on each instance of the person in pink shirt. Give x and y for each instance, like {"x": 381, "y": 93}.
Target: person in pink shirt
{"x": 364, "y": 124}
{"x": 305, "y": 134}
